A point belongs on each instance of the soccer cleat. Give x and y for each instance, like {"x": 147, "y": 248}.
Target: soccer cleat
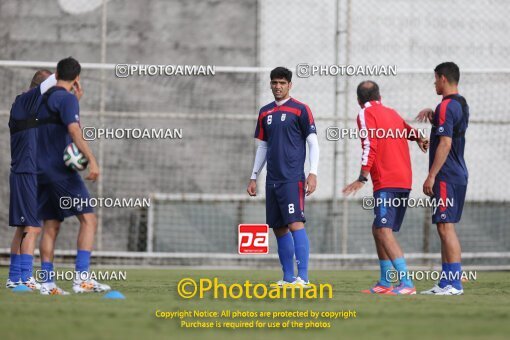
{"x": 283, "y": 283}
{"x": 89, "y": 286}
{"x": 11, "y": 284}
{"x": 378, "y": 289}
{"x": 32, "y": 284}
{"x": 433, "y": 291}
{"x": 402, "y": 290}
{"x": 300, "y": 283}
{"x": 451, "y": 290}
{"x": 51, "y": 288}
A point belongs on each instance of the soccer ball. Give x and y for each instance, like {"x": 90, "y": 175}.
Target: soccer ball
{"x": 74, "y": 159}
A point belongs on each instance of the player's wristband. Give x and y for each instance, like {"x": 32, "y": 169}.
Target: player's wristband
{"x": 362, "y": 179}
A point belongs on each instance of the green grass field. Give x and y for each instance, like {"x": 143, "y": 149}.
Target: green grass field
{"x": 482, "y": 313}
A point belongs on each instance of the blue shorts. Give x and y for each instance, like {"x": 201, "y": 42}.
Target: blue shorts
{"x": 450, "y": 198}
{"x": 285, "y": 204}
{"x": 56, "y": 199}
{"x": 390, "y": 208}
{"x": 23, "y": 200}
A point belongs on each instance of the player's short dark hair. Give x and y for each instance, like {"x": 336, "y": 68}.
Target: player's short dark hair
{"x": 450, "y": 70}
{"x": 281, "y": 72}
{"x": 368, "y": 90}
{"x": 68, "y": 69}
{"x": 39, "y": 77}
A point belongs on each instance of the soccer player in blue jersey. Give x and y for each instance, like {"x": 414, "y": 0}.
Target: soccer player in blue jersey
{"x": 284, "y": 127}
{"x": 448, "y": 175}
{"x": 23, "y": 180}
{"x": 59, "y": 125}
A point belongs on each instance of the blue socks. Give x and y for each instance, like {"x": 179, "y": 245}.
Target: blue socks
{"x": 451, "y": 274}
{"x": 401, "y": 267}
{"x": 82, "y": 261}
{"x": 15, "y": 268}
{"x": 455, "y": 273}
{"x": 286, "y": 255}
{"x": 445, "y": 272}
{"x": 46, "y": 267}
{"x": 302, "y": 250}
{"x": 386, "y": 266}
{"x": 26, "y": 264}
{"x": 294, "y": 242}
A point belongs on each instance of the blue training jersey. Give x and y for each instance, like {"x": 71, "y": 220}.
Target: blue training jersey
{"x": 451, "y": 119}
{"x": 23, "y": 129}
{"x": 285, "y": 129}
{"x": 59, "y": 109}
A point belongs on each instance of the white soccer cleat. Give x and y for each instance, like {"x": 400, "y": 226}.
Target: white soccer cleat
{"x": 32, "y": 284}
{"x": 11, "y": 284}
{"x": 89, "y": 286}
{"x": 433, "y": 291}
{"x": 50, "y": 288}
{"x": 451, "y": 290}
{"x": 283, "y": 283}
{"x": 300, "y": 283}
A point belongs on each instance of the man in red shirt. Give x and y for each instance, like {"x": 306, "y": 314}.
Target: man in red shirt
{"x": 386, "y": 158}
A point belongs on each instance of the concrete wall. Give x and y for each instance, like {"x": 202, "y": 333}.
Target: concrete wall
{"x": 215, "y": 155}
{"x": 160, "y": 32}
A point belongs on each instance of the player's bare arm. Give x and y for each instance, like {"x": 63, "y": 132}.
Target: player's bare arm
{"x": 311, "y": 184}
{"x": 424, "y": 115}
{"x": 443, "y": 149}
{"x": 252, "y": 187}
{"x": 355, "y": 186}
{"x": 82, "y": 145}
{"x": 423, "y": 144}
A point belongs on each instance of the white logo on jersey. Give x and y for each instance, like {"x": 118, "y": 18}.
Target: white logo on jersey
{"x": 383, "y": 221}
{"x": 284, "y": 115}
{"x": 441, "y": 129}
{"x": 269, "y": 119}
{"x": 443, "y": 216}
